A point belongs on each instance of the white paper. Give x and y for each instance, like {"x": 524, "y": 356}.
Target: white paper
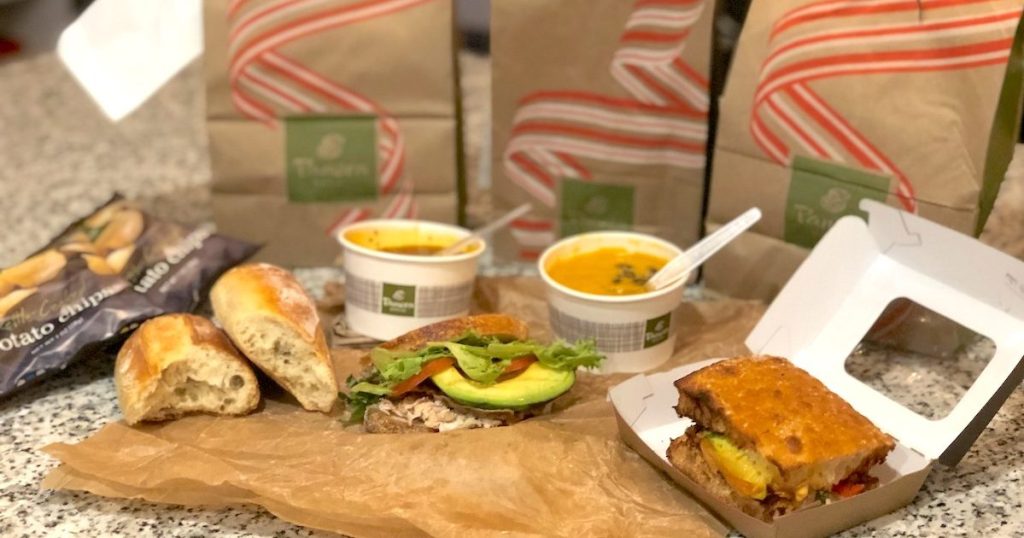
{"x": 123, "y": 51}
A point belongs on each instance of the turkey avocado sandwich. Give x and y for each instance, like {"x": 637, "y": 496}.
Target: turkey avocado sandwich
{"x": 469, "y": 372}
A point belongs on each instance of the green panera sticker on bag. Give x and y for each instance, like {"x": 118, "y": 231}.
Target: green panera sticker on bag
{"x": 331, "y": 159}
{"x": 587, "y": 206}
{"x": 820, "y": 193}
{"x": 398, "y": 300}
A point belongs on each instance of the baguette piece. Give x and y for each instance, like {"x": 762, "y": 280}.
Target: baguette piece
{"x": 778, "y": 412}
{"x": 180, "y": 364}
{"x": 274, "y": 323}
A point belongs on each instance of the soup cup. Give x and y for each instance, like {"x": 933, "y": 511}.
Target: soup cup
{"x": 388, "y": 294}
{"x": 636, "y": 332}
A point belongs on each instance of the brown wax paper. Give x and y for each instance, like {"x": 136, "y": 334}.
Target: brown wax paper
{"x": 564, "y": 474}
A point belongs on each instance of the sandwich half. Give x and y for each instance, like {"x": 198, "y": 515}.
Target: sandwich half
{"x": 770, "y": 438}
{"x": 470, "y": 372}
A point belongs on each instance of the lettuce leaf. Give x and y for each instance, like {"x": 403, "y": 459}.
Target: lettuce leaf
{"x": 476, "y": 361}
{"x": 370, "y": 388}
{"x": 362, "y": 394}
{"x": 482, "y": 359}
{"x": 562, "y": 356}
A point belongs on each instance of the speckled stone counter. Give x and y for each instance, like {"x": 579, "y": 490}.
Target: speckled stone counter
{"x": 59, "y": 158}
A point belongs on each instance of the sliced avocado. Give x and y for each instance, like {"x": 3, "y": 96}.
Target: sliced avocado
{"x": 536, "y": 384}
{"x": 746, "y": 471}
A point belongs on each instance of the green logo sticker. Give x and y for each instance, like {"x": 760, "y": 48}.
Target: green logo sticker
{"x": 656, "y": 330}
{"x": 398, "y": 300}
{"x": 331, "y": 159}
{"x": 822, "y": 192}
{"x": 589, "y": 206}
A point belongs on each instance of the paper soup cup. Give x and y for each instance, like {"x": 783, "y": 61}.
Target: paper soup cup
{"x": 388, "y": 294}
{"x": 636, "y": 332}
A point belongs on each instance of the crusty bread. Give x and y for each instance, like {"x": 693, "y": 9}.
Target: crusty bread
{"x": 768, "y": 405}
{"x": 274, "y": 323}
{"x": 502, "y": 326}
{"x": 180, "y": 364}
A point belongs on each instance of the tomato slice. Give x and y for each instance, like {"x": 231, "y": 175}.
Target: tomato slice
{"x": 520, "y": 363}
{"x": 433, "y": 367}
{"x": 516, "y": 367}
{"x": 848, "y": 489}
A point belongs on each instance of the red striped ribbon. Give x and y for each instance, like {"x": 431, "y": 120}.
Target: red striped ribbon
{"x": 663, "y": 122}
{"x": 837, "y": 38}
{"x": 267, "y": 84}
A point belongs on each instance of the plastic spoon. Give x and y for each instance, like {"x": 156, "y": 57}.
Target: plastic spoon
{"x": 683, "y": 264}
{"x": 486, "y": 230}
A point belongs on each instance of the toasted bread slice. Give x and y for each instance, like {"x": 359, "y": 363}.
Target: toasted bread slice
{"x": 500, "y": 325}
{"x": 769, "y": 406}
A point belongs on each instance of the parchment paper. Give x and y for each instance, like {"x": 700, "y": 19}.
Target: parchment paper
{"x": 566, "y": 474}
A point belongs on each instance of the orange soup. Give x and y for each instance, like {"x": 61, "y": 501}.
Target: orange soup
{"x": 606, "y": 271}
{"x": 408, "y": 241}
{"x": 416, "y": 250}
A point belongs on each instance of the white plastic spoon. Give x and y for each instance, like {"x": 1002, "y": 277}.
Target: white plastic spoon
{"x": 487, "y": 229}
{"x": 691, "y": 258}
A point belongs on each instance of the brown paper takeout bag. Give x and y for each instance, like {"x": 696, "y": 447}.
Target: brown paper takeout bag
{"x": 599, "y": 117}
{"x": 565, "y": 474}
{"x": 912, "y": 104}
{"x": 323, "y": 113}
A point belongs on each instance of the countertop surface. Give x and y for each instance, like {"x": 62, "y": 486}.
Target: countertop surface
{"x": 59, "y": 158}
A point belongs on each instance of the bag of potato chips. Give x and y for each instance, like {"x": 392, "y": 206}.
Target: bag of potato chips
{"x": 599, "y": 116}
{"x": 98, "y": 279}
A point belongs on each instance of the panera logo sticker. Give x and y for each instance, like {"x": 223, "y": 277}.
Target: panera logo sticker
{"x": 331, "y": 159}
{"x": 656, "y": 330}
{"x": 820, "y": 193}
{"x": 588, "y": 206}
{"x": 398, "y": 300}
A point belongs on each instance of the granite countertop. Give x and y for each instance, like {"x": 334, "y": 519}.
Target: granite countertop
{"x": 60, "y": 158}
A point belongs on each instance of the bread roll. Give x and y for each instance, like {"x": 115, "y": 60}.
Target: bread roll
{"x": 180, "y": 364}
{"x": 274, "y": 323}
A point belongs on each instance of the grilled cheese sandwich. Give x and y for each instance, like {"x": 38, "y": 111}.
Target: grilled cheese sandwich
{"x": 771, "y": 438}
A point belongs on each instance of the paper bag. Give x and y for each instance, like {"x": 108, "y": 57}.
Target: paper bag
{"x": 323, "y": 113}
{"x": 563, "y": 474}
{"x": 827, "y": 103}
{"x": 599, "y": 117}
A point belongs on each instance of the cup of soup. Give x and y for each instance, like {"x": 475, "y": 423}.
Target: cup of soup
{"x": 395, "y": 282}
{"x": 595, "y": 289}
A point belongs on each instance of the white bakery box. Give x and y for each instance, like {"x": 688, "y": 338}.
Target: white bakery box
{"x": 816, "y": 321}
